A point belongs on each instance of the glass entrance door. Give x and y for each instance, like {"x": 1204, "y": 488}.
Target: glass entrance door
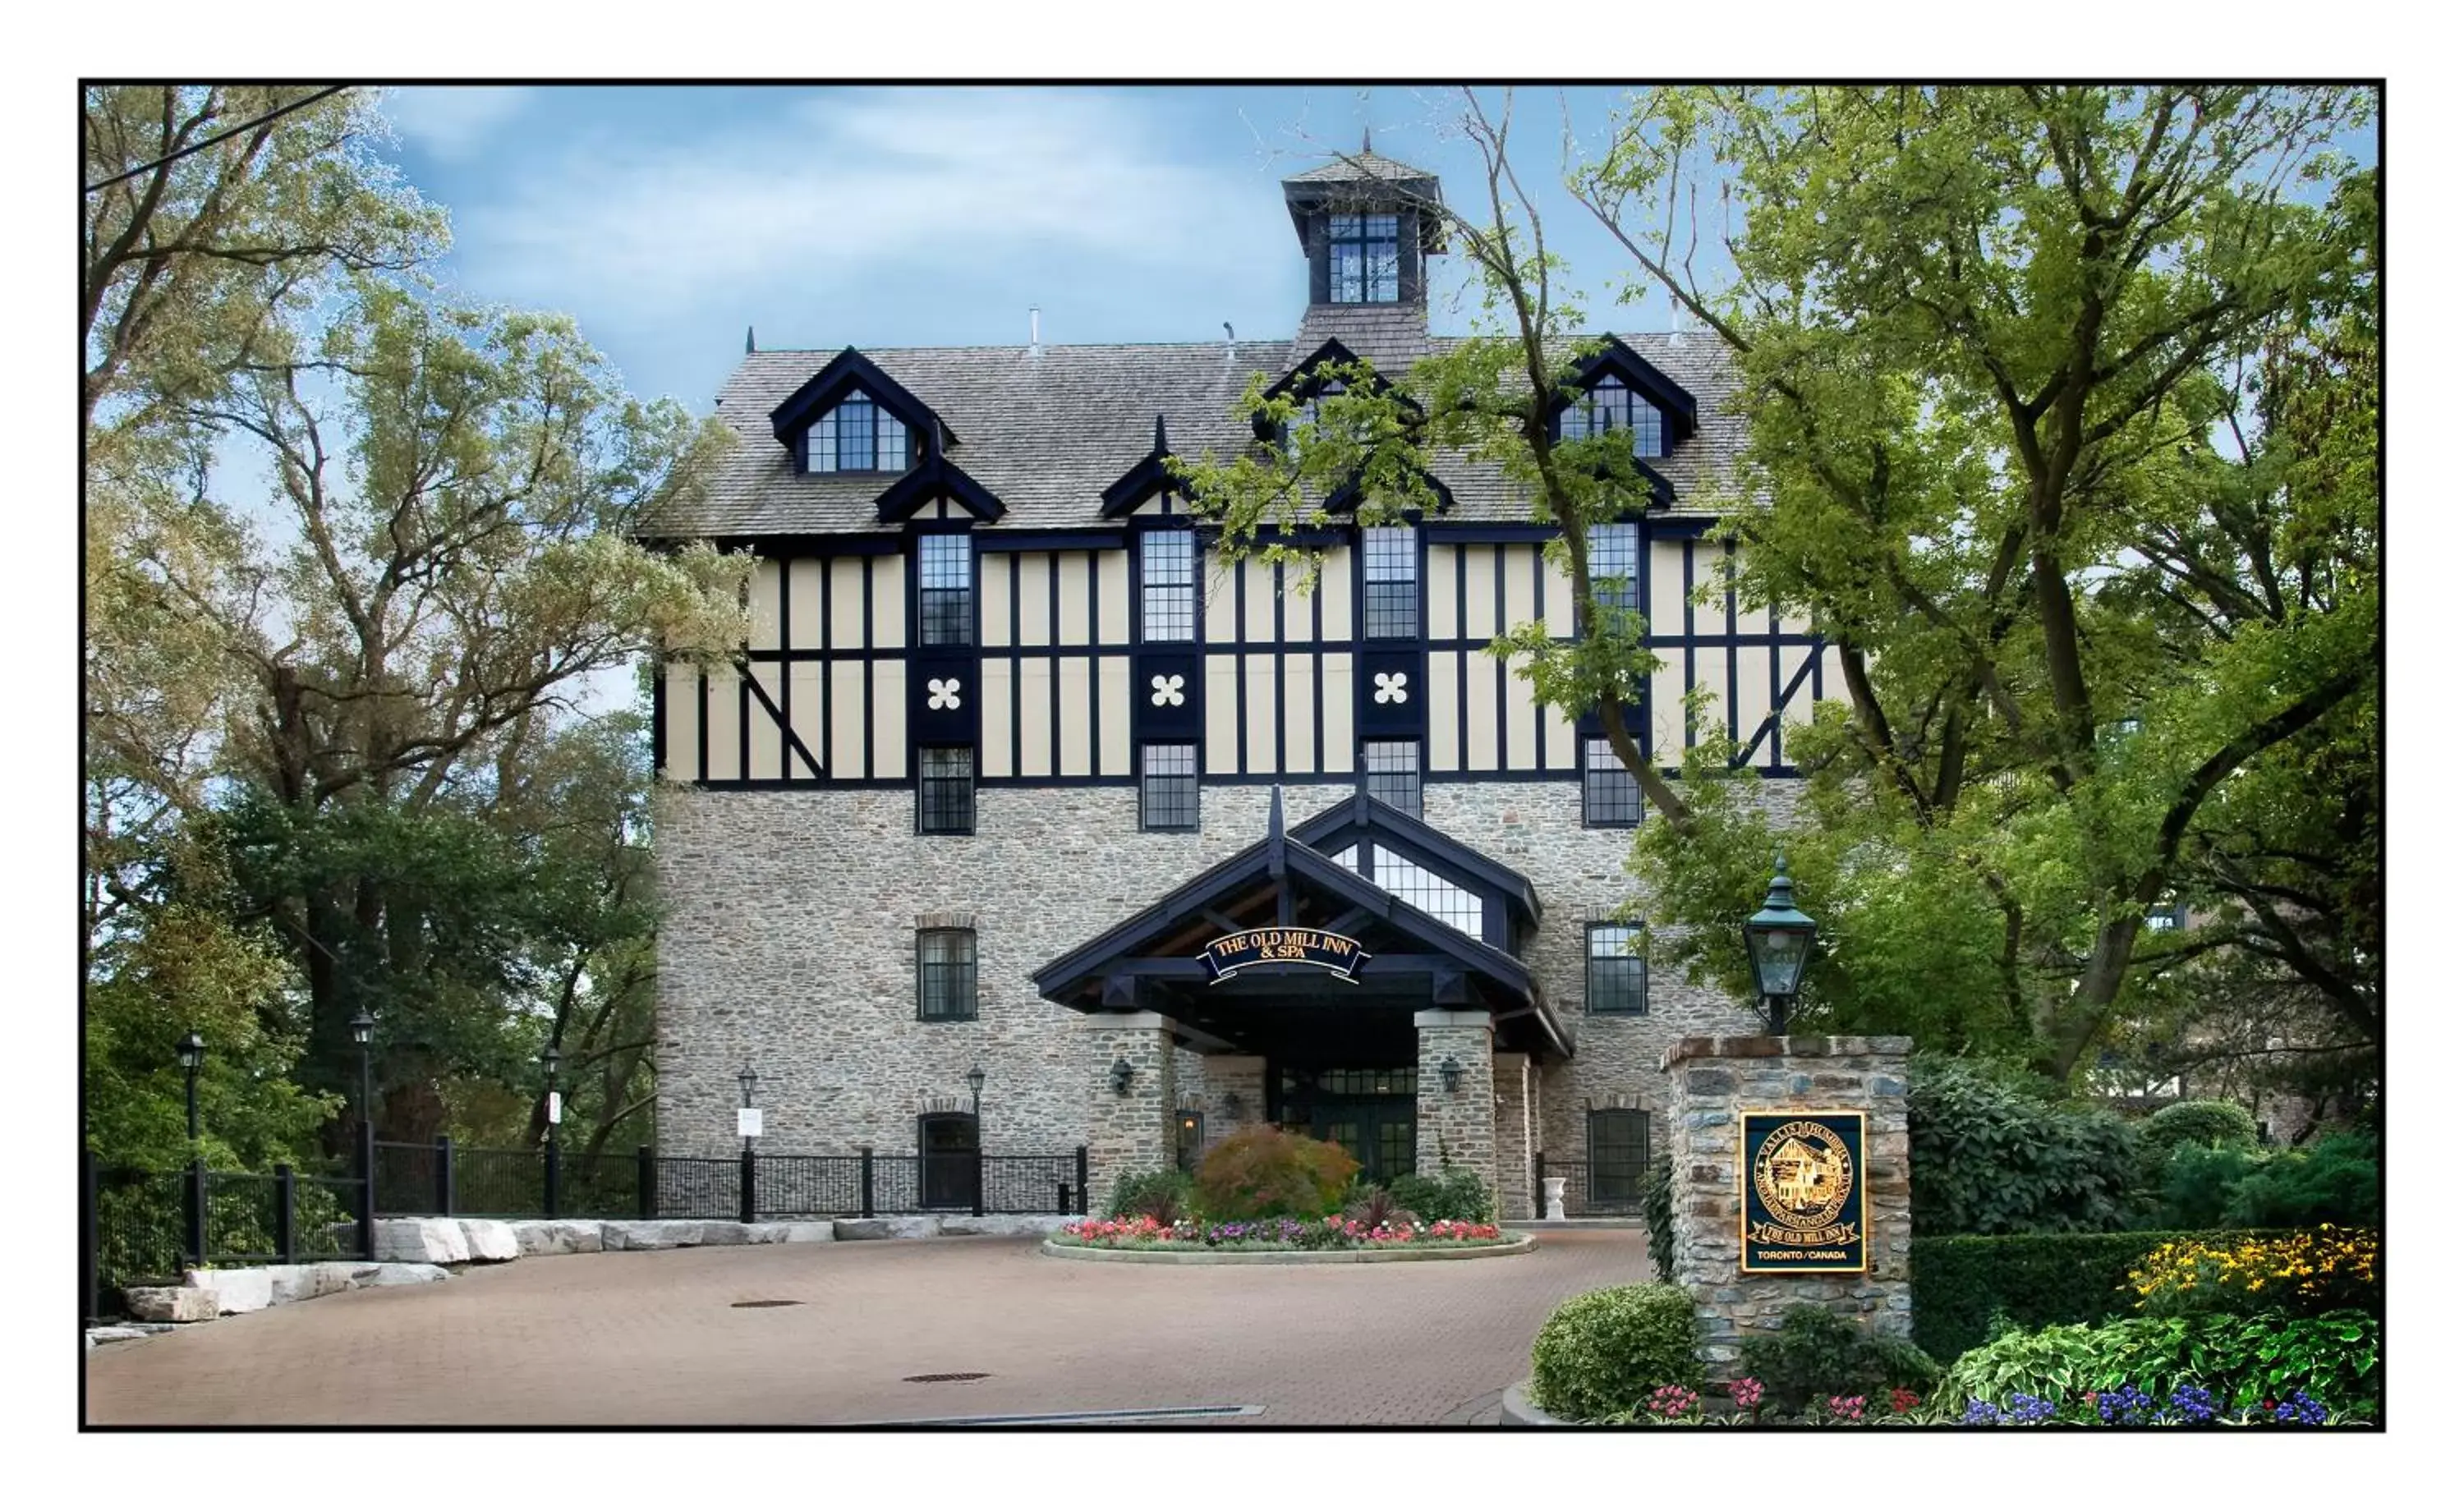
{"x": 947, "y": 1144}
{"x": 1372, "y": 1114}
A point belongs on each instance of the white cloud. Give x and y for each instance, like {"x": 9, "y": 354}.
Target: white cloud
{"x": 452, "y": 121}
{"x": 832, "y": 188}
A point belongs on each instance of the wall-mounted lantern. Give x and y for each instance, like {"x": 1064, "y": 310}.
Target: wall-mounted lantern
{"x": 1121, "y": 1074}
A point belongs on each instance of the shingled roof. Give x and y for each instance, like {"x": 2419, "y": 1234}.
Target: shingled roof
{"x": 1047, "y": 429}
{"x": 1359, "y": 165}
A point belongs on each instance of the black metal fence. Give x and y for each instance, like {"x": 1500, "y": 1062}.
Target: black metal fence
{"x": 1614, "y": 1192}
{"x": 146, "y": 1227}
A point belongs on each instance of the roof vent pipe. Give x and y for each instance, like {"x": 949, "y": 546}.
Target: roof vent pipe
{"x": 1228, "y": 341}
{"x": 1034, "y": 330}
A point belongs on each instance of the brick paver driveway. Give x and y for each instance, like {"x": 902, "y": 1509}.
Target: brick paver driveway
{"x": 645, "y": 1339}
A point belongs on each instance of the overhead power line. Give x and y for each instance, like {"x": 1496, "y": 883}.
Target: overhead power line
{"x": 200, "y": 146}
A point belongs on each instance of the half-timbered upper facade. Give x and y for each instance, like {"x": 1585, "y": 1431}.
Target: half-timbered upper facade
{"x": 981, "y": 600}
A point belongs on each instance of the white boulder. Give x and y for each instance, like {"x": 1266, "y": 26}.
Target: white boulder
{"x": 489, "y": 1241}
{"x": 559, "y": 1237}
{"x": 422, "y": 1240}
{"x": 172, "y": 1304}
{"x": 235, "y": 1291}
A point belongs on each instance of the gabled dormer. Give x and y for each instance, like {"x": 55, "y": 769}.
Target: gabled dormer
{"x": 1614, "y": 389}
{"x": 854, "y": 420}
{"x": 1368, "y": 225}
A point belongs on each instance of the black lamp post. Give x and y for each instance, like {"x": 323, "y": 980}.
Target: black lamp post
{"x": 550, "y": 1059}
{"x": 192, "y": 1050}
{"x": 746, "y": 1079}
{"x": 1779, "y": 942}
{"x": 1451, "y": 1073}
{"x": 363, "y": 1027}
{"x": 976, "y": 1090}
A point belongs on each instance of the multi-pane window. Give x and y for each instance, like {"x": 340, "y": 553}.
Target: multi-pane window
{"x": 1390, "y": 582}
{"x": 1390, "y": 771}
{"x": 945, "y": 790}
{"x": 1612, "y": 799}
{"x": 1615, "y": 981}
{"x": 1168, "y": 585}
{"x": 858, "y": 437}
{"x": 1429, "y": 892}
{"x": 1611, "y": 406}
{"x": 1621, "y": 1152}
{"x": 945, "y": 974}
{"x": 1615, "y": 559}
{"x": 1168, "y": 787}
{"x": 945, "y": 590}
{"x": 1364, "y": 262}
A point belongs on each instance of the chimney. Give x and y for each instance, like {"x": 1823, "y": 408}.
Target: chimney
{"x": 1035, "y": 330}
{"x": 1228, "y": 341}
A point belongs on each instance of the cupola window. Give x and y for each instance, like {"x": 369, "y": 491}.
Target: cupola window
{"x": 1364, "y": 259}
{"x": 1611, "y": 406}
{"x": 857, "y": 436}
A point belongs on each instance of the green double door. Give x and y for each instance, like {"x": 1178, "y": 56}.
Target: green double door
{"x": 1379, "y": 1133}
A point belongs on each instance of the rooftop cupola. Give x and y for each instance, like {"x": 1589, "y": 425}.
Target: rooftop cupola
{"x": 1368, "y": 223}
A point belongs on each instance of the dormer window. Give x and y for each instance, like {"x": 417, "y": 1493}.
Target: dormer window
{"x": 857, "y": 436}
{"x": 1364, "y": 259}
{"x": 1611, "y": 405}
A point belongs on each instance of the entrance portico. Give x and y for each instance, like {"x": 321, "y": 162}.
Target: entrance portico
{"x": 1375, "y": 1019}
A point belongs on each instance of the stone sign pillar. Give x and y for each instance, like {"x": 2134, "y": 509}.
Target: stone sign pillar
{"x": 1512, "y": 1099}
{"x": 1132, "y": 1131}
{"x": 1714, "y": 1083}
{"x": 1457, "y": 1127}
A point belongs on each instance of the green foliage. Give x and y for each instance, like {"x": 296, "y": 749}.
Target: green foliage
{"x": 2308, "y": 1273}
{"x": 1603, "y": 1353}
{"x": 2208, "y": 1123}
{"x": 1959, "y": 1285}
{"x": 1379, "y": 1208}
{"x": 2335, "y": 1180}
{"x": 1263, "y": 1171}
{"x": 1451, "y": 1195}
{"x": 1660, "y": 1215}
{"x": 1814, "y": 1355}
{"x": 2243, "y": 1359}
{"x": 1163, "y": 1194}
{"x": 1989, "y": 1152}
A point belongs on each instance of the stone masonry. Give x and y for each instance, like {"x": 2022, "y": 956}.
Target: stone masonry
{"x": 1712, "y": 1080}
{"x": 789, "y": 941}
{"x": 1456, "y": 1127}
{"x": 1133, "y": 1130}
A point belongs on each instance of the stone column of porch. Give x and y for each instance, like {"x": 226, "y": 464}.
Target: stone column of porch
{"x": 1513, "y": 1103}
{"x": 1133, "y": 1133}
{"x": 1457, "y": 1127}
{"x": 1241, "y": 1083}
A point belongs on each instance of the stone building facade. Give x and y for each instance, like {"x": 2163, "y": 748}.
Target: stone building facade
{"x": 1015, "y": 746}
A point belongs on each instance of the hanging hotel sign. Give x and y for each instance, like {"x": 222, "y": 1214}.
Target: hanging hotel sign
{"x": 1803, "y": 1175}
{"x": 1317, "y": 947}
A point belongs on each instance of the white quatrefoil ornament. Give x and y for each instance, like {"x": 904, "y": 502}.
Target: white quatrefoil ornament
{"x": 1391, "y": 688}
{"x": 1167, "y": 690}
{"x": 941, "y": 692}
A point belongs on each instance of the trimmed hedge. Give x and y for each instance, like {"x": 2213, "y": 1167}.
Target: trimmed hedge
{"x": 2038, "y": 1280}
{"x": 1601, "y": 1354}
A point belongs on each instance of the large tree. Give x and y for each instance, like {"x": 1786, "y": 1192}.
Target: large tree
{"x": 1994, "y": 343}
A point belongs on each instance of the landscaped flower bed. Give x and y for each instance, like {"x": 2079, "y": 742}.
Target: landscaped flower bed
{"x": 1265, "y": 1234}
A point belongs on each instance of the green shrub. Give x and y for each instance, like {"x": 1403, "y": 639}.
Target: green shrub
{"x": 2335, "y": 1180}
{"x": 2197, "y": 1181}
{"x": 1379, "y": 1208}
{"x": 1602, "y": 1354}
{"x": 1660, "y": 1215}
{"x": 1991, "y": 1152}
{"x": 1454, "y": 1195}
{"x": 1958, "y": 1284}
{"x": 1815, "y": 1354}
{"x": 1163, "y": 1194}
{"x": 2208, "y": 1123}
{"x": 2242, "y": 1360}
{"x": 1263, "y": 1171}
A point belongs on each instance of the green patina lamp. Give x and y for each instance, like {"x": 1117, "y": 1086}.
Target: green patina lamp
{"x": 1779, "y": 942}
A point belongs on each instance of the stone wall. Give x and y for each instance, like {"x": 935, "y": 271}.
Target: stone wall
{"x": 1511, "y": 1076}
{"x": 1456, "y": 1127}
{"x": 1130, "y": 1132}
{"x": 1712, "y": 1080}
{"x": 789, "y": 941}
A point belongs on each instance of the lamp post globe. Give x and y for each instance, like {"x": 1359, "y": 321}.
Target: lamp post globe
{"x": 364, "y": 1028}
{"x": 976, "y": 1089}
{"x": 191, "y": 1053}
{"x": 1779, "y": 942}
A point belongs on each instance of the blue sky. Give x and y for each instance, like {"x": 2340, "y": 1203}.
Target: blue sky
{"x": 668, "y": 219}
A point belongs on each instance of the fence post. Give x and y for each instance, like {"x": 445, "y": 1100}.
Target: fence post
{"x": 1060, "y": 1197}
{"x": 555, "y": 1178}
{"x": 1082, "y": 1180}
{"x": 1539, "y": 1191}
{"x": 864, "y": 1176}
{"x": 368, "y": 1188}
{"x": 744, "y": 1186}
{"x": 443, "y": 1175}
{"x": 646, "y": 1182}
{"x": 90, "y": 1234}
{"x": 979, "y": 1181}
{"x": 196, "y": 1235}
{"x": 286, "y": 1214}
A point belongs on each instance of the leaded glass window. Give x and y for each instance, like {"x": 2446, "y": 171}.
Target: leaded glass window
{"x": 1611, "y": 406}
{"x": 1621, "y": 1151}
{"x": 1168, "y": 787}
{"x": 945, "y": 790}
{"x": 1364, "y": 261}
{"x": 1390, "y": 771}
{"x": 1612, "y": 799}
{"x": 1615, "y": 982}
{"x": 1390, "y": 571}
{"x": 1616, "y": 559}
{"x": 945, "y": 590}
{"x": 1168, "y": 585}
{"x": 1429, "y": 892}
{"x": 945, "y": 974}
{"x": 857, "y": 436}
